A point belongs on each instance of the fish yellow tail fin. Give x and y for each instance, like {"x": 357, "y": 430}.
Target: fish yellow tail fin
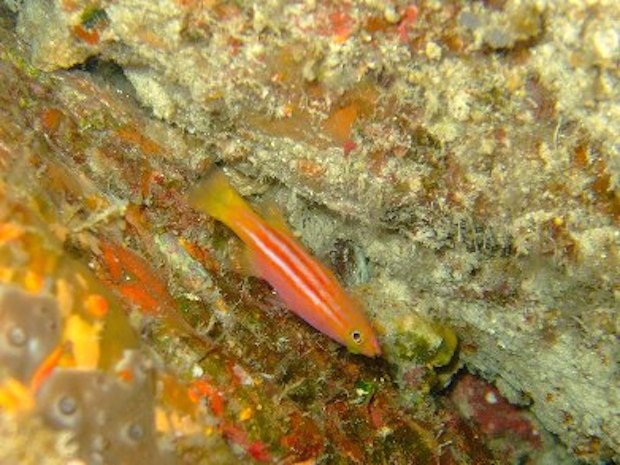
{"x": 216, "y": 197}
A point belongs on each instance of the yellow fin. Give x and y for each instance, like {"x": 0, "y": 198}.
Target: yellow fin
{"x": 215, "y": 196}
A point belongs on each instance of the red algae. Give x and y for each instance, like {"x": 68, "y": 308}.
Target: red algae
{"x": 494, "y": 416}
{"x": 135, "y": 279}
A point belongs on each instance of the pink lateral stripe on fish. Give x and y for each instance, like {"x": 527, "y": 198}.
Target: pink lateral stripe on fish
{"x": 308, "y": 288}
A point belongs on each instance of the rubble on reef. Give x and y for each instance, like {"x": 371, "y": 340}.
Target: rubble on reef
{"x": 455, "y": 163}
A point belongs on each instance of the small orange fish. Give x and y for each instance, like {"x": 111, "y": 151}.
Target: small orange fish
{"x": 306, "y": 287}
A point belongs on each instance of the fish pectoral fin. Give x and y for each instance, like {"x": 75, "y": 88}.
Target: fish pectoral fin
{"x": 241, "y": 259}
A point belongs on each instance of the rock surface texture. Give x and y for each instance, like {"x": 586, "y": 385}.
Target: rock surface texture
{"x": 455, "y": 162}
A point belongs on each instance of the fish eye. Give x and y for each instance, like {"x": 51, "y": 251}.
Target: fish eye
{"x": 357, "y": 336}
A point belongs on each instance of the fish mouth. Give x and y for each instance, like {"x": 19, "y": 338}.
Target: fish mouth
{"x": 374, "y": 350}
{"x": 368, "y": 349}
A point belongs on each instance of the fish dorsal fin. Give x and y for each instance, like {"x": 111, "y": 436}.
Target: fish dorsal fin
{"x": 273, "y": 216}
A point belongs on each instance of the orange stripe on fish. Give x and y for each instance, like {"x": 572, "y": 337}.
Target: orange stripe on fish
{"x": 308, "y": 288}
